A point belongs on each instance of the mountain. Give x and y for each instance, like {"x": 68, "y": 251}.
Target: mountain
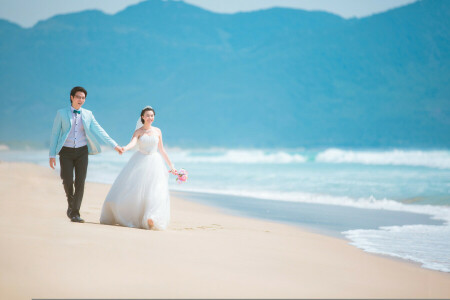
{"x": 271, "y": 78}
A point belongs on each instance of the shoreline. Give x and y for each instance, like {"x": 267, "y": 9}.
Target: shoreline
{"x": 205, "y": 253}
{"x": 308, "y": 216}
{"x": 190, "y": 196}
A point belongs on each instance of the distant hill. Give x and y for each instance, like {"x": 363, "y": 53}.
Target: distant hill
{"x": 271, "y": 78}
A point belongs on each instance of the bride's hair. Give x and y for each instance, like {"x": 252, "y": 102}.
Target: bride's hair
{"x": 147, "y": 108}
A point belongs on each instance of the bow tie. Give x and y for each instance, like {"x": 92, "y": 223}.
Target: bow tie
{"x": 76, "y": 111}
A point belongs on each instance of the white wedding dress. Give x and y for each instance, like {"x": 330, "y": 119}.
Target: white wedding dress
{"x": 141, "y": 191}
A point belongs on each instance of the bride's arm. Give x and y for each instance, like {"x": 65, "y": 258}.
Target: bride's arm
{"x": 132, "y": 142}
{"x": 164, "y": 153}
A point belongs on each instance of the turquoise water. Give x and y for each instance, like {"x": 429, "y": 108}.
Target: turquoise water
{"x": 399, "y": 190}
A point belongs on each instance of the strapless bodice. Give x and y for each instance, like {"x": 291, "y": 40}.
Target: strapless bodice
{"x": 148, "y": 144}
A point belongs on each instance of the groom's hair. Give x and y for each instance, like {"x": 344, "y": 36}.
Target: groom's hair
{"x": 143, "y": 112}
{"x": 77, "y": 89}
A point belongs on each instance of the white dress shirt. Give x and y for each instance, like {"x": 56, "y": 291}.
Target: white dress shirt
{"x": 77, "y": 135}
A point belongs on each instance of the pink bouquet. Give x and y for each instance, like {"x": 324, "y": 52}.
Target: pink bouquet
{"x": 182, "y": 175}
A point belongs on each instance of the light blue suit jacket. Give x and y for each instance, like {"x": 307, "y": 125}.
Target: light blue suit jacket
{"x": 63, "y": 124}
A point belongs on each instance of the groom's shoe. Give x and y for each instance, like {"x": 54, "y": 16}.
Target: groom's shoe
{"x": 77, "y": 219}
{"x": 69, "y": 213}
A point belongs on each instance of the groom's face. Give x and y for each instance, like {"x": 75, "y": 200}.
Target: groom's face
{"x": 78, "y": 100}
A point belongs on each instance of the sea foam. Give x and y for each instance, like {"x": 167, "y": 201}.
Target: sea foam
{"x": 425, "y": 244}
{"x": 238, "y": 157}
{"x": 436, "y": 211}
{"x": 434, "y": 159}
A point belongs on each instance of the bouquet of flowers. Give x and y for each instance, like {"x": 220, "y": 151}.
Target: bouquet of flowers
{"x": 182, "y": 175}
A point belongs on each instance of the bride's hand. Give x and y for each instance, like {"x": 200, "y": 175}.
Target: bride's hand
{"x": 118, "y": 149}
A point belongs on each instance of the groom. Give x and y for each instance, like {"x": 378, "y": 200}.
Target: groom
{"x": 74, "y": 136}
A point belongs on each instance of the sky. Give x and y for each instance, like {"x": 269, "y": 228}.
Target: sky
{"x": 27, "y": 13}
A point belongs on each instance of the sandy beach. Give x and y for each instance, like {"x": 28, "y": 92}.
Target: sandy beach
{"x": 204, "y": 253}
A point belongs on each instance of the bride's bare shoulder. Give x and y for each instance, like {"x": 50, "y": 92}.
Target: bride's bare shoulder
{"x": 138, "y": 132}
{"x": 157, "y": 130}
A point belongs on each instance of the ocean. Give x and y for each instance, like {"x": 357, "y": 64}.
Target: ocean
{"x": 392, "y": 202}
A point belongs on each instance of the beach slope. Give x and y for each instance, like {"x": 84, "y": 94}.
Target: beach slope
{"x": 204, "y": 253}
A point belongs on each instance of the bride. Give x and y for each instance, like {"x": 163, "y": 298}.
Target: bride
{"x": 139, "y": 197}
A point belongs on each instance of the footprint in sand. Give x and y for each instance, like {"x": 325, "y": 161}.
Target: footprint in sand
{"x": 209, "y": 227}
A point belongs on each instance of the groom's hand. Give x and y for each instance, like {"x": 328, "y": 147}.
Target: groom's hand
{"x": 118, "y": 149}
{"x": 52, "y": 163}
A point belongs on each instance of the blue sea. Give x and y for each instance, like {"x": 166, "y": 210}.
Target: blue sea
{"x": 392, "y": 202}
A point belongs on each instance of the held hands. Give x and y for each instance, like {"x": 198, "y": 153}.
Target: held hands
{"x": 119, "y": 150}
